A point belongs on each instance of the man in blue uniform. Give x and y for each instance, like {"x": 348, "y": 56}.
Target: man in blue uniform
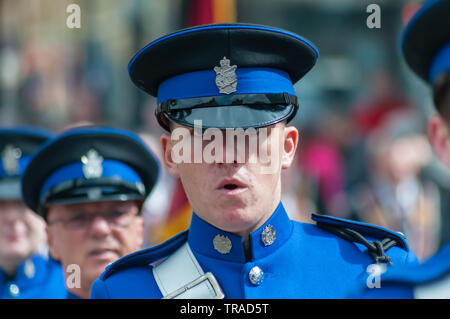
{"x": 426, "y": 49}
{"x": 237, "y": 79}
{"x": 89, "y": 184}
{"x": 26, "y": 271}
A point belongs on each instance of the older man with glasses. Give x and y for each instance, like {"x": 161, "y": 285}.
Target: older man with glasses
{"x": 89, "y": 184}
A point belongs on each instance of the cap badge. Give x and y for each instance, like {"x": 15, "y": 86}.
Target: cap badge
{"x": 92, "y": 164}
{"x": 222, "y": 244}
{"x": 10, "y": 159}
{"x": 226, "y": 79}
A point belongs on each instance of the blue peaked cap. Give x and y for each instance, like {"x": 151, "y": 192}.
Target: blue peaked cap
{"x": 17, "y": 144}
{"x": 425, "y": 42}
{"x": 90, "y": 164}
{"x": 190, "y": 71}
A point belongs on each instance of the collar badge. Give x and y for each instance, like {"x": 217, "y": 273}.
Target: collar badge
{"x": 222, "y": 244}
{"x": 268, "y": 235}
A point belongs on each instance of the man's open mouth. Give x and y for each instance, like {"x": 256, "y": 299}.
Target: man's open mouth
{"x": 231, "y": 185}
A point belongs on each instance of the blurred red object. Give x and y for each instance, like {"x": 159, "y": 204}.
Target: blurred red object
{"x": 373, "y": 115}
{"x": 408, "y": 10}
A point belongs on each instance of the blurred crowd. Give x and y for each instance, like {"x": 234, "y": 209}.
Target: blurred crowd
{"x": 363, "y": 150}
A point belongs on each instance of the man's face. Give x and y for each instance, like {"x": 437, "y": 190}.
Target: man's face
{"x": 21, "y": 231}
{"x": 236, "y": 196}
{"x": 93, "y": 235}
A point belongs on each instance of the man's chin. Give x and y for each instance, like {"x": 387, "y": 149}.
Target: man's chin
{"x": 237, "y": 219}
{"x": 99, "y": 263}
{"x": 95, "y": 271}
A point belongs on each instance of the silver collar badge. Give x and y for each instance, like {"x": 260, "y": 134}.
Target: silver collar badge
{"x": 226, "y": 79}
{"x": 92, "y": 164}
{"x": 268, "y": 235}
{"x": 222, "y": 244}
{"x": 10, "y": 159}
{"x": 29, "y": 269}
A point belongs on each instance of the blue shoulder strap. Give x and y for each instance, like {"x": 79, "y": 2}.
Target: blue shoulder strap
{"x": 147, "y": 256}
{"x": 356, "y": 231}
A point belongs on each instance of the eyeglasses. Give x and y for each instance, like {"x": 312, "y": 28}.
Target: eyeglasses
{"x": 83, "y": 221}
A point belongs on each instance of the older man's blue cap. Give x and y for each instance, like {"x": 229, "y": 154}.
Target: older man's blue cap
{"x": 426, "y": 40}
{"x": 226, "y": 75}
{"x": 17, "y": 144}
{"x": 89, "y": 164}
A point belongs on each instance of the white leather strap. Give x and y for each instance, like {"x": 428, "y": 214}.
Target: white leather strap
{"x": 181, "y": 277}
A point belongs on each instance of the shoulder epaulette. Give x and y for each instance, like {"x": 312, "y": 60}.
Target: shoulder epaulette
{"x": 147, "y": 256}
{"x": 357, "y": 231}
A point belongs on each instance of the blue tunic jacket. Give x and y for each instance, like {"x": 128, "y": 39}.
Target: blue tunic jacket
{"x": 304, "y": 261}
{"x": 36, "y": 278}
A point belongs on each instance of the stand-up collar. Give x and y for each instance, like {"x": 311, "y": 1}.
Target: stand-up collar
{"x": 211, "y": 241}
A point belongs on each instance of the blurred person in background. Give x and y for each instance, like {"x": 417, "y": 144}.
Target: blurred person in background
{"x": 26, "y": 270}
{"x": 89, "y": 184}
{"x": 395, "y": 195}
{"x": 322, "y": 163}
{"x": 426, "y": 49}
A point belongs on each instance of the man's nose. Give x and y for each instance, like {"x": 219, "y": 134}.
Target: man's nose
{"x": 236, "y": 152}
{"x": 99, "y": 226}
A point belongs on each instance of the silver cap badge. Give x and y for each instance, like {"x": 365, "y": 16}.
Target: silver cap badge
{"x": 226, "y": 79}
{"x": 268, "y": 235}
{"x": 222, "y": 244}
{"x": 10, "y": 159}
{"x": 92, "y": 164}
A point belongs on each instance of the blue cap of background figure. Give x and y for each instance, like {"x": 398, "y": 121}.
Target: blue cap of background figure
{"x": 226, "y": 75}
{"x": 89, "y": 164}
{"x": 425, "y": 41}
{"x": 17, "y": 144}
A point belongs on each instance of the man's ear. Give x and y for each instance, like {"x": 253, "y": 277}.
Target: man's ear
{"x": 439, "y": 134}
{"x": 51, "y": 243}
{"x": 290, "y": 142}
{"x": 167, "y": 146}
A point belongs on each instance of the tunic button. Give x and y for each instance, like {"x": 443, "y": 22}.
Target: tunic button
{"x": 14, "y": 290}
{"x": 256, "y": 276}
